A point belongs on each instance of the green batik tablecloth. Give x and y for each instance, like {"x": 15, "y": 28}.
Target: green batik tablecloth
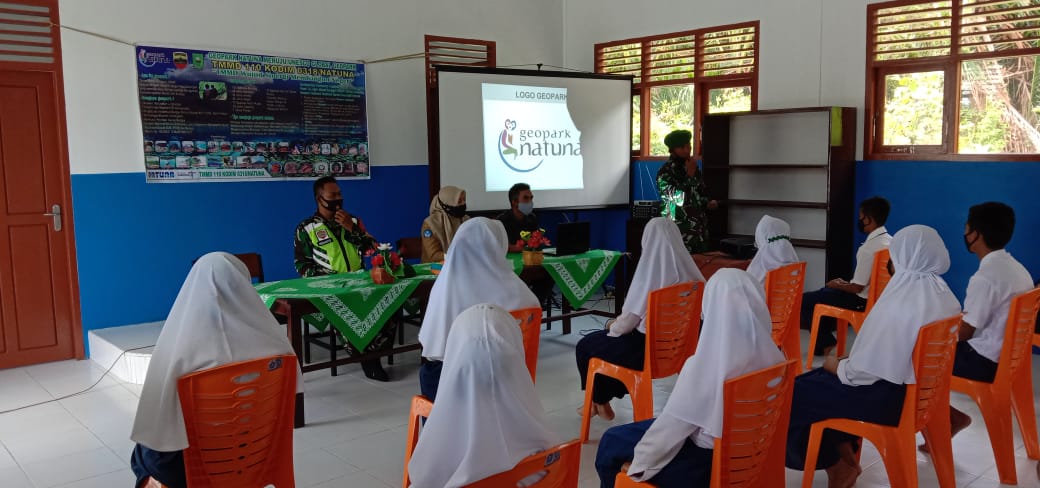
{"x": 577, "y": 275}
{"x": 350, "y": 302}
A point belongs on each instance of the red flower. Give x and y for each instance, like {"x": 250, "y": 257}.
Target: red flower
{"x": 377, "y": 260}
{"x": 395, "y": 260}
{"x": 370, "y": 252}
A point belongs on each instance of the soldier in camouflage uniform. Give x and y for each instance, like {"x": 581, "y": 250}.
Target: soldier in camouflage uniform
{"x": 333, "y": 241}
{"x": 684, "y": 197}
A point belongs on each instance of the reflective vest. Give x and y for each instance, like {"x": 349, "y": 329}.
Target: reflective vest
{"x": 334, "y": 253}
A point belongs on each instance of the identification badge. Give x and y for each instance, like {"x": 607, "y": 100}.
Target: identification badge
{"x": 323, "y": 237}
{"x": 427, "y": 233}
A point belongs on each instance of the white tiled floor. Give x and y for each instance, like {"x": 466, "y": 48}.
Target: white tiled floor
{"x": 356, "y": 428}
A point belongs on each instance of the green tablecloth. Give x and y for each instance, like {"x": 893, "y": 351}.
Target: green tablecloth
{"x": 577, "y": 275}
{"x": 350, "y": 302}
{"x": 359, "y": 308}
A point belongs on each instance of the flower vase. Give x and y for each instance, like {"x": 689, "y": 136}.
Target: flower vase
{"x": 381, "y": 276}
{"x": 533, "y": 258}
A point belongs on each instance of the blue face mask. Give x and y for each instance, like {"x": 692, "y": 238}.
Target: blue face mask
{"x": 525, "y": 208}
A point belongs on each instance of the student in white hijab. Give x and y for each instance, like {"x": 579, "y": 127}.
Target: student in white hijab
{"x": 870, "y": 384}
{"x": 217, "y": 319}
{"x": 664, "y": 262}
{"x": 447, "y": 213}
{"x": 773, "y": 240}
{"x": 675, "y": 450}
{"x": 475, "y": 271}
{"x": 488, "y": 417}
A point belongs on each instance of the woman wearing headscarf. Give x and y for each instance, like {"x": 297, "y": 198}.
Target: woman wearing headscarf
{"x": 475, "y": 271}
{"x": 675, "y": 450}
{"x": 870, "y": 384}
{"x": 488, "y": 417}
{"x": 447, "y": 213}
{"x": 664, "y": 262}
{"x": 773, "y": 240}
{"x": 217, "y": 319}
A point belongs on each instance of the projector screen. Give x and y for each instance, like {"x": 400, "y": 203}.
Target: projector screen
{"x": 568, "y": 135}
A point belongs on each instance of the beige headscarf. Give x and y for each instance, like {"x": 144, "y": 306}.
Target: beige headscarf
{"x": 440, "y": 223}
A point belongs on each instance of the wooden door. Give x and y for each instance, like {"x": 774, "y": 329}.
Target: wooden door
{"x": 39, "y": 309}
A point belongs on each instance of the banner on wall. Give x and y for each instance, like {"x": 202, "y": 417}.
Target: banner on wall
{"x": 220, "y": 116}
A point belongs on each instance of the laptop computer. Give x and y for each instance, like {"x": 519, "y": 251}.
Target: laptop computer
{"x": 572, "y": 238}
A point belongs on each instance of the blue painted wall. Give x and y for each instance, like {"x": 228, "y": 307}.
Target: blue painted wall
{"x": 938, "y": 194}
{"x": 135, "y": 242}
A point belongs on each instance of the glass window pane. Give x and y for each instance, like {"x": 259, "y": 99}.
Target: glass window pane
{"x": 913, "y": 109}
{"x": 671, "y": 108}
{"x": 999, "y": 106}
{"x": 636, "y": 119}
{"x": 734, "y": 99}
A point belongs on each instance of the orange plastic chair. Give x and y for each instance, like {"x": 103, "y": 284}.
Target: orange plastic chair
{"x": 559, "y": 467}
{"x": 421, "y": 407}
{"x": 530, "y": 325}
{"x": 755, "y": 417}
{"x": 673, "y": 318}
{"x": 925, "y": 409}
{"x": 1012, "y": 387}
{"x": 784, "y": 288}
{"x": 239, "y": 421}
{"x": 879, "y": 278}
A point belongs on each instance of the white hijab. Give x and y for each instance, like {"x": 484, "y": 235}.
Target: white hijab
{"x": 218, "y": 318}
{"x": 915, "y": 297}
{"x": 475, "y": 271}
{"x": 736, "y": 339}
{"x": 773, "y": 240}
{"x": 487, "y": 416}
{"x": 664, "y": 262}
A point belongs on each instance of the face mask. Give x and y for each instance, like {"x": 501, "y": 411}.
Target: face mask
{"x": 457, "y": 211}
{"x": 333, "y": 205}
{"x": 525, "y": 208}
{"x": 970, "y": 243}
{"x": 861, "y": 226}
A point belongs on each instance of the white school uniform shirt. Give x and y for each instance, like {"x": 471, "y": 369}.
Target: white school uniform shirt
{"x": 988, "y": 300}
{"x": 876, "y": 241}
{"x": 218, "y": 318}
{"x": 487, "y": 416}
{"x": 916, "y": 296}
{"x": 736, "y": 339}
{"x": 475, "y": 271}
{"x": 664, "y": 262}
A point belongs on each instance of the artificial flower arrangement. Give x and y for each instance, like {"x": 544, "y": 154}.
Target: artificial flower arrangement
{"x": 533, "y": 242}
{"x": 387, "y": 265}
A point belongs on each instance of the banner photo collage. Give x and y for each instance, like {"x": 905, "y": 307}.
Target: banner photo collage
{"x": 219, "y": 116}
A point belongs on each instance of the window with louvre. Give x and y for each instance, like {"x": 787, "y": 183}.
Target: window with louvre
{"x": 679, "y": 77}
{"x": 28, "y": 33}
{"x": 959, "y": 78}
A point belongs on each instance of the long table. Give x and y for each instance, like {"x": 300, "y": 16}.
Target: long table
{"x": 359, "y": 308}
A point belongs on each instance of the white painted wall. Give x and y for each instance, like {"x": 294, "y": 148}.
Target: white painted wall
{"x": 100, "y": 77}
{"x": 812, "y": 51}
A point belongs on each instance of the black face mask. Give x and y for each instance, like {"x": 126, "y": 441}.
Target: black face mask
{"x": 972, "y": 242}
{"x": 333, "y": 205}
{"x": 457, "y": 211}
{"x": 861, "y": 226}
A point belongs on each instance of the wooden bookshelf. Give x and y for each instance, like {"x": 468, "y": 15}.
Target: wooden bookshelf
{"x": 793, "y": 164}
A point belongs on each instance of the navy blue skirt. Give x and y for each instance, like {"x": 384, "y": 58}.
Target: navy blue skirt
{"x": 820, "y": 395}
{"x": 690, "y": 468}
{"x": 166, "y": 467}
{"x": 626, "y": 351}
